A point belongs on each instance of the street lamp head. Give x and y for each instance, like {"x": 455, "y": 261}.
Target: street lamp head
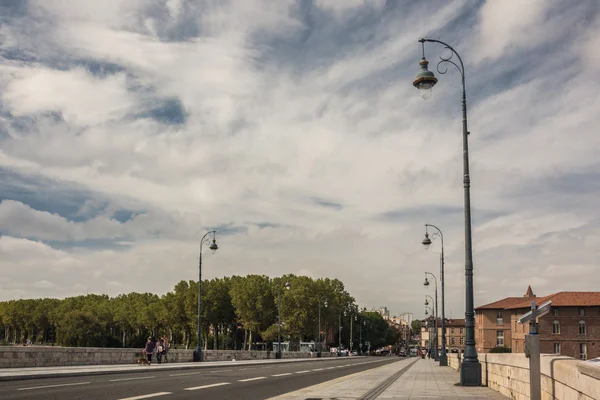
{"x": 426, "y": 302}
{"x": 213, "y": 246}
{"x": 426, "y": 242}
{"x": 287, "y": 285}
{"x": 425, "y": 80}
{"x": 426, "y": 283}
{"x": 325, "y": 303}
{"x": 426, "y": 312}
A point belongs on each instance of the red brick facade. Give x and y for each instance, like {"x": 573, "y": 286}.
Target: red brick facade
{"x": 571, "y": 328}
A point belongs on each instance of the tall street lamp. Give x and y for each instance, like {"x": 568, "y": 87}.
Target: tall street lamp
{"x": 436, "y": 356}
{"x": 428, "y": 325}
{"x": 470, "y": 372}
{"x": 426, "y": 283}
{"x": 443, "y": 358}
{"x": 287, "y": 286}
{"x": 342, "y": 310}
{"x": 324, "y": 304}
{"x": 213, "y": 246}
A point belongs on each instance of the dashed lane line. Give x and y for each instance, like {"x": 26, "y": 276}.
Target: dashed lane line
{"x": 53, "y": 386}
{"x": 201, "y": 372}
{"x": 131, "y": 379}
{"x": 146, "y": 396}
{"x": 301, "y": 372}
{"x": 318, "y": 369}
{"x": 284, "y": 374}
{"x": 252, "y": 379}
{"x": 208, "y": 386}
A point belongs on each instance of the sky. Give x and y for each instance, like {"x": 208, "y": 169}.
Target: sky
{"x": 129, "y": 128}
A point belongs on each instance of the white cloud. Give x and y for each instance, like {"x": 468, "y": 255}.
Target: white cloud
{"x": 283, "y": 110}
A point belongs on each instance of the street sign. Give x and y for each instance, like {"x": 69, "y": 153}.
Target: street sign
{"x": 541, "y": 310}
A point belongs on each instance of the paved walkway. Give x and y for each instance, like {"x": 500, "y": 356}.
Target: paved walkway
{"x": 427, "y": 380}
{"x": 424, "y": 379}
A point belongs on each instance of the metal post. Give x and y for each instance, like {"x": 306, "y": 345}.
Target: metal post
{"x": 340, "y": 332}
{"x": 198, "y": 352}
{"x": 351, "y": 344}
{"x": 278, "y": 353}
{"x": 360, "y": 337}
{"x": 470, "y": 371}
{"x": 319, "y": 326}
{"x": 437, "y": 356}
{"x": 535, "y": 390}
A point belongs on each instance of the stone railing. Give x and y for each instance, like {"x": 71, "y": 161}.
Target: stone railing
{"x": 563, "y": 378}
{"x": 33, "y": 356}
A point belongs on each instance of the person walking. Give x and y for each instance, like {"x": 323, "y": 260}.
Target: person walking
{"x": 149, "y": 349}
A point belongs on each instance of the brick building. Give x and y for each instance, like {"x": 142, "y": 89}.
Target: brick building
{"x": 571, "y": 328}
{"x": 455, "y": 334}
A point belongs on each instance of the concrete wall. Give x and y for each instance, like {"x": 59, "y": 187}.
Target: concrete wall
{"x": 563, "y": 378}
{"x": 16, "y": 357}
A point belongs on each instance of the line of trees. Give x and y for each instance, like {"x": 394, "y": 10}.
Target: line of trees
{"x": 237, "y": 312}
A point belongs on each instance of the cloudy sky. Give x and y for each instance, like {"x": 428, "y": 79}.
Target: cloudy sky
{"x": 129, "y": 128}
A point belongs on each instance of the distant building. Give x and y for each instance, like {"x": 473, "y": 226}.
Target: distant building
{"x": 384, "y": 312}
{"x": 571, "y": 328}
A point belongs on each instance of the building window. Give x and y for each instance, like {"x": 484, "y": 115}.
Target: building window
{"x": 555, "y": 311}
{"x": 556, "y": 328}
{"x": 461, "y": 331}
{"x": 461, "y": 340}
{"x": 556, "y": 348}
{"x": 581, "y": 311}
{"x": 499, "y": 320}
{"x": 582, "y": 351}
{"x": 452, "y": 341}
{"x": 499, "y": 338}
{"x": 452, "y": 331}
{"x": 516, "y": 347}
{"x": 582, "y": 327}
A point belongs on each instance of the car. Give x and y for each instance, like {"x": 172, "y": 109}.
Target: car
{"x": 401, "y": 353}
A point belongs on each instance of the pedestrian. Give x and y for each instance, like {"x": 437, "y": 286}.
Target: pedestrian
{"x": 160, "y": 349}
{"x": 150, "y": 345}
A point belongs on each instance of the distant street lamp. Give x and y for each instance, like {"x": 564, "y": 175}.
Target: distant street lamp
{"x": 427, "y": 242}
{"x": 470, "y": 370}
{"x": 426, "y": 283}
{"x": 435, "y": 324}
{"x": 287, "y": 286}
{"x": 320, "y": 343}
{"x": 213, "y": 246}
{"x": 342, "y": 310}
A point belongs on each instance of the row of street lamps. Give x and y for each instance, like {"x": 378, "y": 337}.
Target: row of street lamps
{"x": 470, "y": 372}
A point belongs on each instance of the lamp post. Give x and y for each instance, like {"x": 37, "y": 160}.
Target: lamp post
{"x": 320, "y": 343}
{"x": 443, "y": 358}
{"x": 287, "y": 286}
{"x": 213, "y": 246}
{"x": 428, "y": 326}
{"x": 426, "y": 283}
{"x": 470, "y": 371}
{"x": 436, "y": 356}
{"x": 342, "y": 310}
{"x": 351, "y": 338}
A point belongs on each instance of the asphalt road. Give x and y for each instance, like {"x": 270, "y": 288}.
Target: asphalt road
{"x": 235, "y": 382}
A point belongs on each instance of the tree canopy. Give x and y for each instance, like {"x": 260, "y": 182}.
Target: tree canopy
{"x": 237, "y": 311}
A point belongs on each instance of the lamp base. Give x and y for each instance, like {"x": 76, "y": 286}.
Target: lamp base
{"x": 278, "y": 355}
{"x": 443, "y": 360}
{"x": 470, "y": 374}
{"x": 197, "y": 355}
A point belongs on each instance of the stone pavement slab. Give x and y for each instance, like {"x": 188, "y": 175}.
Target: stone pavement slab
{"x": 427, "y": 380}
{"x": 424, "y": 379}
{"x": 352, "y": 386}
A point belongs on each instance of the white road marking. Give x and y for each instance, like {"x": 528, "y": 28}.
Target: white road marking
{"x": 252, "y": 379}
{"x": 53, "y": 386}
{"x": 330, "y": 368}
{"x": 208, "y": 386}
{"x": 146, "y": 396}
{"x": 131, "y": 379}
{"x": 302, "y": 372}
{"x": 318, "y": 369}
{"x": 285, "y": 374}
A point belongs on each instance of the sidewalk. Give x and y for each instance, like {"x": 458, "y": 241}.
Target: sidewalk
{"x": 15, "y": 374}
{"x": 424, "y": 379}
{"x": 427, "y": 380}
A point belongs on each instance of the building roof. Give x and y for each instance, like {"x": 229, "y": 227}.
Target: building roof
{"x": 509, "y": 302}
{"x": 455, "y": 322}
{"x": 563, "y": 299}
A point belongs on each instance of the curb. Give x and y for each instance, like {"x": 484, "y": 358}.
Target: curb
{"x": 132, "y": 369}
